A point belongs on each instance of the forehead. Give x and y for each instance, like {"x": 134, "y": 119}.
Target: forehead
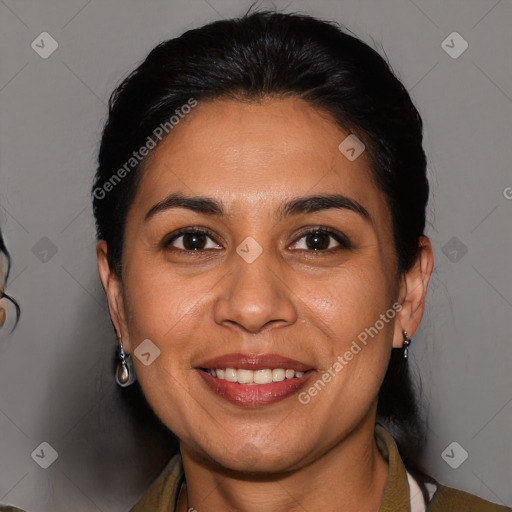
{"x": 247, "y": 152}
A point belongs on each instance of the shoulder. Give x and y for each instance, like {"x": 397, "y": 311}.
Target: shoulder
{"x": 446, "y": 499}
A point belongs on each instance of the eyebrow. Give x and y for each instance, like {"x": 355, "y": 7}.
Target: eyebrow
{"x": 316, "y": 203}
{"x": 197, "y": 204}
{"x": 295, "y": 206}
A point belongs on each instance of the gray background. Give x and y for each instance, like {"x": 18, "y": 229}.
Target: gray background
{"x": 55, "y": 379}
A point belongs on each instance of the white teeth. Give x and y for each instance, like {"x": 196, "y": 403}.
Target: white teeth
{"x": 245, "y": 376}
{"x": 231, "y": 375}
{"x": 263, "y": 376}
{"x": 278, "y": 375}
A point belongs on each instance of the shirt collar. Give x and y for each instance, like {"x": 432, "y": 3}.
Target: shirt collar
{"x": 396, "y": 493}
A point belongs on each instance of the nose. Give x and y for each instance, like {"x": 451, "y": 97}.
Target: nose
{"x": 255, "y": 295}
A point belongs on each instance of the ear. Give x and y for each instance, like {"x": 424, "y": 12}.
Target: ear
{"x": 114, "y": 292}
{"x": 412, "y": 293}
{"x": 3, "y": 316}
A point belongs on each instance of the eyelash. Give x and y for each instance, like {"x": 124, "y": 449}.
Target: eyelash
{"x": 341, "y": 239}
{"x": 188, "y": 231}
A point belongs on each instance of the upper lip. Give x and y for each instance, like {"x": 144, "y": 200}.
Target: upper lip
{"x": 254, "y": 362}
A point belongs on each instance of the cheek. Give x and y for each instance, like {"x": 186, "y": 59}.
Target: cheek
{"x": 166, "y": 311}
{"x": 355, "y": 342}
{"x": 161, "y": 304}
{"x": 349, "y": 300}
{"x": 170, "y": 310}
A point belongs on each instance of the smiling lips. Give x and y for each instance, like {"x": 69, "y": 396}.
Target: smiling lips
{"x": 253, "y": 381}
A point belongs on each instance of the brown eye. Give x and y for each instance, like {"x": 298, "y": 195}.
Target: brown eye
{"x": 194, "y": 241}
{"x": 191, "y": 240}
{"x": 317, "y": 241}
{"x": 322, "y": 240}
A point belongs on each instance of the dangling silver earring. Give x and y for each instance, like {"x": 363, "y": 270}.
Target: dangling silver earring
{"x": 125, "y": 376}
{"x": 405, "y": 346}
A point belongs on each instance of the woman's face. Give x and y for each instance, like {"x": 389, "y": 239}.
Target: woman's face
{"x": 251, "y": 292}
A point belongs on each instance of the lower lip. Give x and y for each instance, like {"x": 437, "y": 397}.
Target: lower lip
{"x": 255, "y": 395}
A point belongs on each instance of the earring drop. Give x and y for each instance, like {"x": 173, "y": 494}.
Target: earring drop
{"x": 405, "y": 346}
{"x": 125, "y": 376}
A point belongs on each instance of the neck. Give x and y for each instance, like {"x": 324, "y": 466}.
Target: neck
{"x": 350, "y": 476}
